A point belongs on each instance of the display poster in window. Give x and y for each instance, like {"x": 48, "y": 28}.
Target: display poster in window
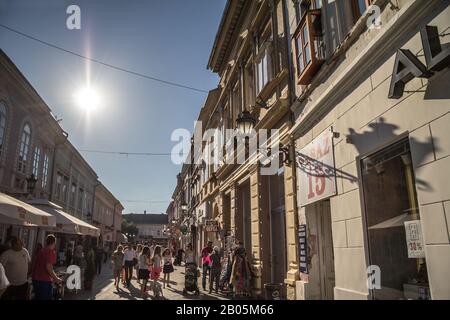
{"x": 303, "y": 247}
{"x": 316, "y": 170}
{"x": 414, "y": 239}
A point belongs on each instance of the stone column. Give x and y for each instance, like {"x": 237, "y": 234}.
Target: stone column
{"x": 291, "y": 230}
{"x": 260, "y": 229}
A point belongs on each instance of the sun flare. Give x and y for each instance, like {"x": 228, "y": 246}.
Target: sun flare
{"x": 87, "y": 99}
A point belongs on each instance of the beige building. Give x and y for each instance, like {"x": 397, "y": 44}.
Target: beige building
{"x": 372, "y": 149}
{"x": 107, "y": 214}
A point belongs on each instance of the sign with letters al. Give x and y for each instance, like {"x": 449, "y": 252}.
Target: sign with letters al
{"x": 316, "y": 171}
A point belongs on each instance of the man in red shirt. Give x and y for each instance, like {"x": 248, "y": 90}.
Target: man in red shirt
{"x": 206, "y": 262}
{"x": 43, "y": 273}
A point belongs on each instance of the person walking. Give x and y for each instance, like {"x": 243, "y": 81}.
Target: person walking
{"x": 98, "y": 259}
{"x": 128, "y": 262}
{"x": 17, "y": 264}
{"x": 143, "y": 272}
{"x": 69, "y": 255}
{"x": 156, "y": 270}
{"x": 215, "y": 269}
{"x": 117, "y": 261}
{"x": 241, "y": 273}
{"x": 167, "y": 266}
{"x": 206, "y": 262}
{"x": 4, "y": 282}
{"x": 189, "y": 255}
{"x": 78, "y": 254}
{"x": 43, "y": 273}
{"x": 136, "y": 266}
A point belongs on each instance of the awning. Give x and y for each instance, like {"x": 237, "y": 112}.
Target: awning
{"x": 16, "y": 212}
{"x": 65, "y": 222}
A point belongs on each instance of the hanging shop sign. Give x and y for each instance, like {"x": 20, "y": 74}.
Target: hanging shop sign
{"x": 211, "y": 226}
{"x": 407, "y": 66}
{"x": 303, "y": 248}
{"x": 316, "y": 171}
{"x": 414, "y": 239}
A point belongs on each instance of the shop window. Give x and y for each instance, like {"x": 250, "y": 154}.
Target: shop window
{"x": 393, "y": 224}
{"x": 309, "y": 46}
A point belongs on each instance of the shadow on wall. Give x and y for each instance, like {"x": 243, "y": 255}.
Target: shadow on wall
{"x": 420, "y": 150}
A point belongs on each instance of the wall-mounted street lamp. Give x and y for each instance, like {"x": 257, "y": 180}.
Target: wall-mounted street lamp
{"x": 245, "y": 122}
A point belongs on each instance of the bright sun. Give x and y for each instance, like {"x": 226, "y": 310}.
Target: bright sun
{"x": 87, "y": 99}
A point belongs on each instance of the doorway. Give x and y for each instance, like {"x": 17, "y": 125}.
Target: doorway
{"x": 243, "y": 223}
{"x": 319, "y": 240}
{"x": 277, "y": 225}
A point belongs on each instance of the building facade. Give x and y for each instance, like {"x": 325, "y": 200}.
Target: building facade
{"x": 150, "y": 226}
{"x": 358, "y": 90}
{"x": 38, "y": 164}
{"x": 372, "y": 149}
{"x": 106, "y": 210}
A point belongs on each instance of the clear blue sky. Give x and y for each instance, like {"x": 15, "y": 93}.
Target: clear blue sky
{"x": 169, "y": 39}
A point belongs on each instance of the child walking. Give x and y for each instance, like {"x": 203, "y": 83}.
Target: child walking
{"x": 117, "y": 261}
{"x": 143, "y": 273}
{"x": 156, "y": 270}
{"x": 168, "y": 266}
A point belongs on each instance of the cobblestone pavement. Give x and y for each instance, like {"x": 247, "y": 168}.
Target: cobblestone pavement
{"x": 104, "y": 289}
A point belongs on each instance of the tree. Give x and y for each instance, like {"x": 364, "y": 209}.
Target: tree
{"x": 129, "y": 229}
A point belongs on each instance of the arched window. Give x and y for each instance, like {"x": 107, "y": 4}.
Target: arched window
{"x": 2, "y": 125}
{"x": 24, "y": 148}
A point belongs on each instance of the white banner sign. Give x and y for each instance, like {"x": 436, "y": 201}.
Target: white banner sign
{"x": 414, "y": 239}
{"x": 316, "y": 171}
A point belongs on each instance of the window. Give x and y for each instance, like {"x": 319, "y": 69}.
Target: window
{"x": 45, "y": 172}
{"x": 73, "y": 192}
{"x": 264, "y": 71}
{"x": 359, "y": 7}
{"x": 2, "y": 125}
{"x": 302, "y": 7}
{"x": 65, "y": 189}
{"x": 249, "y": 86}
{"x": 59, "y": 179}
{"x": 23, "y": 149}
{"x": 80, "y": 200}
{"x": 393, "y": 224}
{"x": 37, "y": 157}
{"x": 264, "y": 58}
{"x": 310, "y": 51}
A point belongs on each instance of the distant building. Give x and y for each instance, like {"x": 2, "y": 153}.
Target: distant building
{"x": 150, "y": 226}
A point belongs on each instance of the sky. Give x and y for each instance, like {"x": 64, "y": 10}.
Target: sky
{"x": 168, "y": 39}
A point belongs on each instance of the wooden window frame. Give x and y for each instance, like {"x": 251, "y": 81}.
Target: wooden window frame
{"x": 355, "y": 8}
{"x": 305, "y": 75}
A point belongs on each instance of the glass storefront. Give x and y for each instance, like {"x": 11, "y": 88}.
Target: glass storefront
{"x": 393, "y": 224}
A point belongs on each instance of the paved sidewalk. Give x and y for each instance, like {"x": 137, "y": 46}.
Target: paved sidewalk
{"x": 104, "y": 289}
